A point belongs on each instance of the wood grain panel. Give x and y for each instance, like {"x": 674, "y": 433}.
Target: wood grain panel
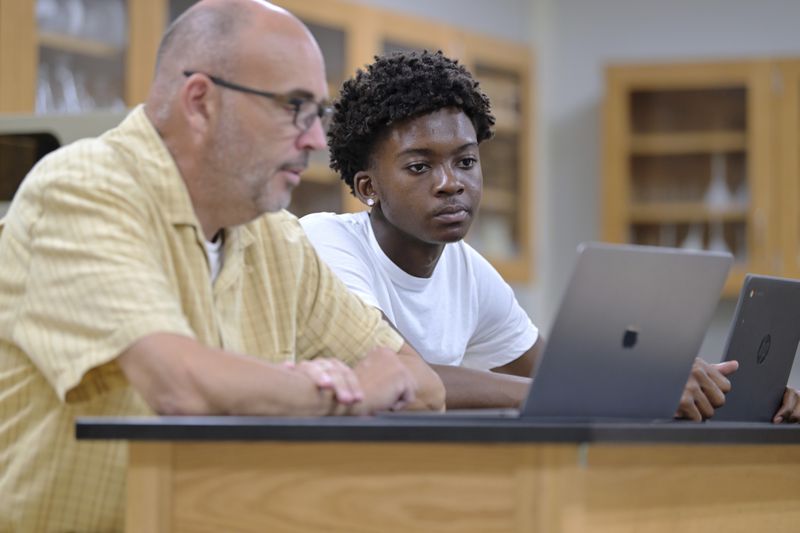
{"x": 692, "y": 489}
{"x": 402, "y": 487}
{"x": 150, "y": 489}
{"x": 354, "y": 488}
{"x": 18, "y": 56}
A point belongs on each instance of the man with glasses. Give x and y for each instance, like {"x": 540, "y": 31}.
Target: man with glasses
{"x": 152, "y": 270}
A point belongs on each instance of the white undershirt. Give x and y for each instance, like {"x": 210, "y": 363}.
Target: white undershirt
{"x": 214, "y": 252}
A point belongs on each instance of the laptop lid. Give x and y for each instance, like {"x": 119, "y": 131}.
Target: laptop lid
{"x": 629, "y": 327}
{"x": 764, "y": 338}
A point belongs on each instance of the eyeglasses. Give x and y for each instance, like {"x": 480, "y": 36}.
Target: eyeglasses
{"x": 305, "y": 109}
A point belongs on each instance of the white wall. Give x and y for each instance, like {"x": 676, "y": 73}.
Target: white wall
{"x": 507, "y": 19}
{"x": 573, "y": 40}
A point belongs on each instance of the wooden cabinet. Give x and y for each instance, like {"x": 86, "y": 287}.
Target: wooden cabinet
{"x": 85, "y": 55}
{"x": 502, "y": 231}
{"x": 61, "y": 58}
{"x": 691, "y": 160}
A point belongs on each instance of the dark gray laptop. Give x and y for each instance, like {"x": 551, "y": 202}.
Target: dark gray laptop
{"x": 623, "y": 342}
{"x": 764, "y": 338}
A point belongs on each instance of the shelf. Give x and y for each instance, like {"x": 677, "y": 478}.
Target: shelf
{"x": 495, "y": 199}
{"x": 685, "y": 212}
{"x": 682, "y": 143}
{"x": 79, "y": 45}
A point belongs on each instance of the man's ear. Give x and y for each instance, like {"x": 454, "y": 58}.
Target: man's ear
{"x": 364, "y": 187}
{"x": 200, "y": 103}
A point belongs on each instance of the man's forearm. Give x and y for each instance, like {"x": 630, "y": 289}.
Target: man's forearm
{"x": 178, "y": 376}
{"x": 472, "y": 389}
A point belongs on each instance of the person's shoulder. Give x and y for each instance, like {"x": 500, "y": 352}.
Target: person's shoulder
{"x": 90, "y": 162}
{"x": 313, "y": 221}
{"x": 325, "y": 223}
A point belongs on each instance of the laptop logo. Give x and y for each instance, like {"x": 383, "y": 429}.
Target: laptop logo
{"x": 630, "y": 337}
{"x": 763, "y": 349}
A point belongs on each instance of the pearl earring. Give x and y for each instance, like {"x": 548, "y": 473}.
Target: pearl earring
{"x": 370, "y": 202}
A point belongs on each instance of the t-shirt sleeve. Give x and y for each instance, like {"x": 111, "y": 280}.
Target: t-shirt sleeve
{"x": 334, "y": 321}
{"x": 504, "y": 331}
{"x": 95, "y": 283}
{"x": 343, "y": 253}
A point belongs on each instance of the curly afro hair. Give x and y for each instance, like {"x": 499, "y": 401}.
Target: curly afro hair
{"x": 394, "y": 88}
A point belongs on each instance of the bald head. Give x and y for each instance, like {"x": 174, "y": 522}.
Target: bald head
{"x": 219, "y": 37}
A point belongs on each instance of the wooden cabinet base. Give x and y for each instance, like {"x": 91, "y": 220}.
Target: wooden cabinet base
{"x": 403, "y": 487}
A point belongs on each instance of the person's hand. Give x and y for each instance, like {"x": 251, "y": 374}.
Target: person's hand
{"x": 387, "y": 383}
{"x": 705, "y": 390}
{"x": 334, "y": 375}
{"x": 789, "y": 411}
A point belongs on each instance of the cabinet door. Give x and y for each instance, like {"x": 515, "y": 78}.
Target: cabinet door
{"x": 688, "y": 162}
{"x": 66, "y": 57}
{"x": 502, "y": 231}
{"x": 787, "y": 120}
{"x": 72, "y": 56}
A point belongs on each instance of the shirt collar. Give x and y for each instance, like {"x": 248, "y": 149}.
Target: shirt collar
{"x": 159, "y": 175}
{"x": 157, "y": 171}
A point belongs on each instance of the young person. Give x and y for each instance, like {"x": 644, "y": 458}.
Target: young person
{"x": 151, "y": 270}
{"x": 405, "y": 138}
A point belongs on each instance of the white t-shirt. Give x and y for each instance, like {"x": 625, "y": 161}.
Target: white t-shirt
{"x": 464, "y": 314}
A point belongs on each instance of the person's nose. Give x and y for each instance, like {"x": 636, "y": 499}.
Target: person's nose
{"x": 448, "y": 182}
{"x": 313, "y": 138}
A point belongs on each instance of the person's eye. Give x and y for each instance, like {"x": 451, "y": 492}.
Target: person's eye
{"x": 468, "y": 162}
{"x": 417, "y": 168}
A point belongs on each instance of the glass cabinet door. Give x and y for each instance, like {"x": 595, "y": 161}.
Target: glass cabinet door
{"x": 81, "y": 53}
{"x": 502, "y": 231}
{"x": 688, "y": 161}
{"x": 497, "y": 231}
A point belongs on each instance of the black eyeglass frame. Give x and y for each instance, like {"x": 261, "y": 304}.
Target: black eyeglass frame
{"x": 324, "y": 108}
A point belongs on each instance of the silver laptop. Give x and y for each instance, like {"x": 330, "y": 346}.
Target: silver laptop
{"x": 627, "y": 332}
{"x": 623, "y": 342}
{"x": 765, "y": 339}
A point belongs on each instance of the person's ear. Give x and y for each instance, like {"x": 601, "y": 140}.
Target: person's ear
{"x": 364, "y": 187}
{"x": 200, "y": 103}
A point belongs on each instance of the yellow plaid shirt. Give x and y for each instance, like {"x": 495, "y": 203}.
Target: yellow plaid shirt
{"x": 101, "y": 247}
